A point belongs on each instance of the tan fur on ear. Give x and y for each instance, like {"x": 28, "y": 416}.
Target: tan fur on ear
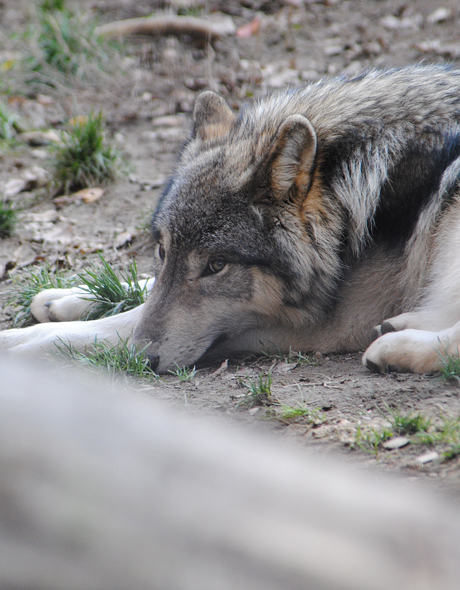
{"x": 212, "y": 117}
{"x": 293, "y": 153}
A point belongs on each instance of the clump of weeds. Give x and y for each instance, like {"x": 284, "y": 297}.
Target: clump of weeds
{"x": 9, "y": 125}
{"x": 259, "y": 391}
{"x": 300, "y": 412}
{"x": 66, "y": 43}
{"x": 123, "y": 358}
{"x": 441, "y": 432}
{"x": 450, "y": 367}
{"x": 31, "y": 283}
{"x": 184, "y": 374}
{"x": 85, "y": 158}
{"x": 110, "y": 293}
{"x": 371, "y": 439}
{"x": 8, "y": 219}
{"x": 406, "y": 424}
{"x": 292, "y": 357}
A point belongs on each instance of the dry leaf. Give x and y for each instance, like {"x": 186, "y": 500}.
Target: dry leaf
{"x": 88, "y": 195}
{"x": 248, "y": 29}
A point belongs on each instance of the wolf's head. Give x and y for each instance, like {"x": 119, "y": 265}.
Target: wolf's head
{"x": 238, "y": 238}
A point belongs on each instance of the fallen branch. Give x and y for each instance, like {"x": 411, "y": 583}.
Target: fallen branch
{"x": 199, "y": 29}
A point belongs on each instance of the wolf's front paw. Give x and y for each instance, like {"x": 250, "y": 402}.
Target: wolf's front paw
{"x": 407, "y": 351}
{"x": 382, "y": 329}
{"x": 40, "y": 306}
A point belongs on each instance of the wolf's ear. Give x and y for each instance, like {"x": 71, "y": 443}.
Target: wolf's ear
{"x": 292, "y": 156}
{"x": 212, "y": 117}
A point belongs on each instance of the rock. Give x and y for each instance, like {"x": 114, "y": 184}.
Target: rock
{"x": 396, "y": 442}
{"x": 38, "y": 138}
{"x": 169, "y": 121}
{"x": 427, "y": 457}
{"x": 440, "y": 15}
{"x": 411, "y": 22}
{"x": 13, "y": 187}
{"x": 122, "y": 239}
{"x": 36, "y": 177}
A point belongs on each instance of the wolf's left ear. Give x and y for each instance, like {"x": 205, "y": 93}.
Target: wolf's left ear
{"x": 212, "y": 117}
{"x": 292, "y": 156}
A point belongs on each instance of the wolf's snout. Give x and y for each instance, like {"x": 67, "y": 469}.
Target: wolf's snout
{"x": 154, "y": 361}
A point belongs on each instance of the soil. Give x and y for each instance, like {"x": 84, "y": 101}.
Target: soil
{"x": 146, "y": 98}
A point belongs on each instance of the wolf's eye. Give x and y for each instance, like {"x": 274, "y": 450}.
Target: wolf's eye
{"x": 216, "y": 265}
{"x": 161, "y": 251}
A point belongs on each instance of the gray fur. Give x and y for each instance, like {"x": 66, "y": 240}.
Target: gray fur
{"x": 296, "y": 237}
{"x": 303, "y": 222}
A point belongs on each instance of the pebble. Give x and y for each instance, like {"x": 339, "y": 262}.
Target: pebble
{"x": 427, "y": 457}
{"x": 396, "y": 443}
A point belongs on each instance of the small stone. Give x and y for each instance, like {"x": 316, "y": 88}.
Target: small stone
{"x": 37, "y": 138}
{"x": 439, "y": 15}
{"x": 396, "y": 442}
{"x": 39, "y": 154}
{"x": 427, "y": 457}
{"x": 13, "y": 187}
{"x": 123, "y": 239}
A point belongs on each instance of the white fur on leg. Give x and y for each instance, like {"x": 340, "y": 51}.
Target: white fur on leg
{"x": 69, "y": 305}
{"x": 47, "y": 306}
{"x": 416, "y": 351}
{"x": 81, "y": 335}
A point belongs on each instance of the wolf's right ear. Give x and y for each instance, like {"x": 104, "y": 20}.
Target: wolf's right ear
{"x": 212, "y": 117}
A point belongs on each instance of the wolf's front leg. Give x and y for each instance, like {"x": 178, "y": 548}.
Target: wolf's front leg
{"x": 416, "y": 320}
{"x": 61, "y": 305}
{"x": 69, "y": 305}
{"x": 415, "y": 351}
{"x": 80, "y": 335}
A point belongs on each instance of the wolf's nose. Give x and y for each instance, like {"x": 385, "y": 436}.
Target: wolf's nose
{"x": 154, "y": 361}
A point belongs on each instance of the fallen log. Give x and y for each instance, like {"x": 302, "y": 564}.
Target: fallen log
{"x": 100, "y": 489}
{"x": 198, "y": 29}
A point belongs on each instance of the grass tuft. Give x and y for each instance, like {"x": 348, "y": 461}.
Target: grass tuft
{"x": 301, "y": 411}
{"x": 370, "y": 440}
{"x": 450, "y": 366}
{"x": 9, "y": 124}
{"x": 67, "y": 42}
{"x": 85, "y": 158}
{"x": 184, "y": 374}
{"x": 8, "y": 219}
{"x": 30, "y": 284}
{"x": 124, "y": 358}
{"x": 52, "y": 5}
{"x": 292, "y": 357}
{"x": 406, "y": 424}
{"x": 259, "y": 392}
{"x": 108, "y": 292}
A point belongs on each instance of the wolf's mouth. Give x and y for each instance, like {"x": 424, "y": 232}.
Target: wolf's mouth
{"x": 209, "y": 353}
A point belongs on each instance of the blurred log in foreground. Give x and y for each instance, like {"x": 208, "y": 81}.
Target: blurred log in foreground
{"x": 100, "y": 490}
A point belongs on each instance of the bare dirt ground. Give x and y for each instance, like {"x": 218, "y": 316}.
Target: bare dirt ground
{"x": 147, "y": 98}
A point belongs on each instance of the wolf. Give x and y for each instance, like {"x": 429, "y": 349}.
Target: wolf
{"x": 320, "y": 218}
